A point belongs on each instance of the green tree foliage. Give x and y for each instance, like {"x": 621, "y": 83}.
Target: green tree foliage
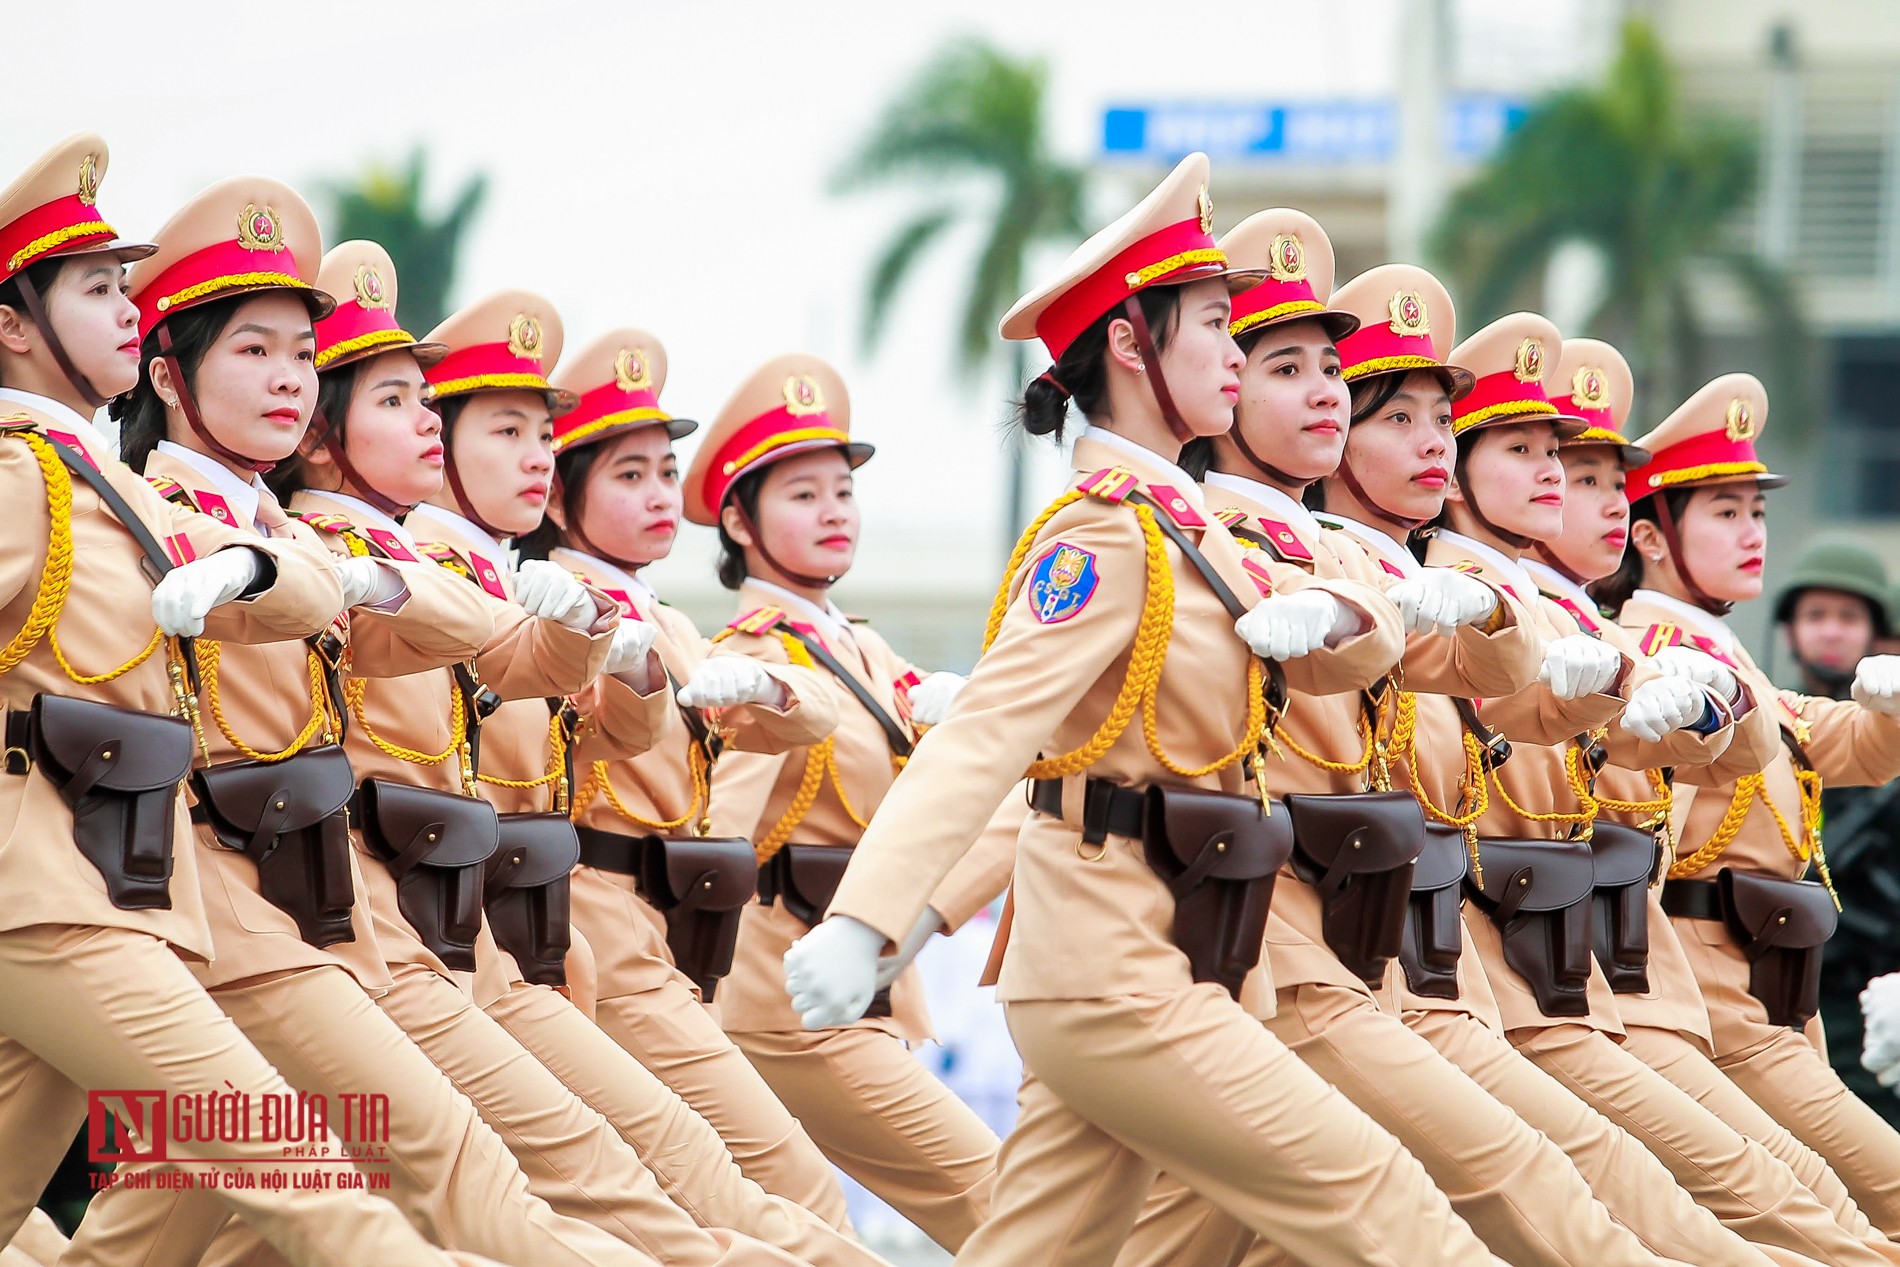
{"x": 385, "y": 205}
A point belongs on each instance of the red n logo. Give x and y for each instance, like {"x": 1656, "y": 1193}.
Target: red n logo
{"x": 124, "y": 1126}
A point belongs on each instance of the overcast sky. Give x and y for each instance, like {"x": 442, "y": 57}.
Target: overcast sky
{"x": 666, "y": 164}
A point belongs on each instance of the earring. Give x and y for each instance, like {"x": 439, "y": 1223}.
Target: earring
{"x": 1655, "y": 558}
{"x": 1139, "y": 367}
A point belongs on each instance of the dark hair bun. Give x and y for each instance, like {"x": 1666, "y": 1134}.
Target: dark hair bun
{"x": 1045, "y": 408}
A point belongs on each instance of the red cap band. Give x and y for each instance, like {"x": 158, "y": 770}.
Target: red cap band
{"x": 352, "y": 328}
{"x": 485, "y": 365}
{"x": 774, "y": 434}
{"x": 215, "y": 271}
{"x": 1180, "y": 252}
{"x": 1711, "y": 455}
{"x": 607, "y": 406}
{"x": 1500, "y": 395}
{"x": 59, "y": 227}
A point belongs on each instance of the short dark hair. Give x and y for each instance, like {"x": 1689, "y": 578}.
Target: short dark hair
{"x": 140, "y": 413}
{"x": 745, "y": 491}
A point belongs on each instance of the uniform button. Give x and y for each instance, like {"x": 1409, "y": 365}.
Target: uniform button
{"x": 432, "y": 838}
{"x": 106, "y": 755}
{"x": 280, "y": 805}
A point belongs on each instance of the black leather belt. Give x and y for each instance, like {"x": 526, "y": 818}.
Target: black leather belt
{"x": 1108, "y": 809}
{"x": 610, "y": 851}
{"x": 1692, "y": 899}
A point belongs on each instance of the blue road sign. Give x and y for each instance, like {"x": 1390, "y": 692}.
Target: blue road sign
{"x": 1341, "y": 132}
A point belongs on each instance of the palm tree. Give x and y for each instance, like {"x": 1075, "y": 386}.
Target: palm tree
{"x": 1624, "y": 169}
{"x": 972, "y": 115}
{"x": 384, "y": 204}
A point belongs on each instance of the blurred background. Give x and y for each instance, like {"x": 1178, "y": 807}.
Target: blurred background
{"x": 1711, "y": 184}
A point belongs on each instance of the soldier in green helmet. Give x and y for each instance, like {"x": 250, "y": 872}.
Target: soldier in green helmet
{"x": 1833, "y": 611}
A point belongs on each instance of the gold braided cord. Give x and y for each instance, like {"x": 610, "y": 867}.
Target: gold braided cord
{"x": 59, "y": 237}
{"x": 209, "y": 655}
{"x": 557, "y": 761}
{"x": 56, "y": 574}
{"x": 599, "y": 783}
{"x": 1024, "y": 544}
{"x": 1161, "y": 268}
{"x": 233, "y": 281}
{"x": 1502, "y": 409}
{"x": 1664, "y": 800}
{"x": 800, "y": 435}
{"x": 355, "y": 693}
{"x": 1475, "y": 797}
{"x": 362, "y": 343}
{"x": 1359, "y": 766}
{"x": 817, "y": 758}
{"x": 1748, "y": 789}
{"x": 1385, "y": 364}
{"x": 93, "y": 679}
{"x": 1290, "y": 308}
{"x": 476, "y": 382}
{"x": 586, "y": 430}
{"x": 1597, "y": 435}
{"x": 1708, "y": 470}
{"x": 1586, "y": 810}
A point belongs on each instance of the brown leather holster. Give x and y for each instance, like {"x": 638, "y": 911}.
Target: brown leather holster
{"x": 1358, "y": 851}
{"x": 1626, "y": 860}
{"x": 701, "y": 885}
{"x": 1218, "y": 854}
{"x": 1781, "y": 926}
{"x": 1537, "y": 893}
{"x": 434, "y": 843}
{"x": 525, "y": 889}
{"x": 119, "y": 771}
{"x": 291, "y": 818}
{"x": 803, "y": 879}
{"x": 1434, "y": 935}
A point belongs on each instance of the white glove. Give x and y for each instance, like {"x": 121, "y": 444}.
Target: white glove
{"x": 1880, "y": 1048}
{"x": 1579, "y": 665}
{"x": 889, "y": 967}
{"x": 1288, "y": 626}
{"x": 187, "y": 593}
{"x": 1663, "y": 704}
{"x": 1699, "y": 667}
{"x": 1877, "y": 684}
{"x": 366, "y": 581}
{"x": 931, "y": 698}
{"x": 632, "y": 640}
{"x": 723, "y": 681}
{"x": 1439, "y": 600}
{"x": 831, "y": 972}
{"x": 551, "y": 592}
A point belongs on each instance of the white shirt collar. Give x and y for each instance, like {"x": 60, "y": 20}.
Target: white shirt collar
{"x": 1711, "y": 627}
{"x": 1275, "y": 500}
{"x": 80, "y": 425}
{"x": 1178, "y": 478}
{"x": 1511, "y": 569}
{"x": 467, "y": 527}
{"x": 828, "y": 618}
{"x": 619, "y": 577}
{"x": 366, "y": 515}
{"x": 239, "y": 494}
{"x": 1551, "y": 581}
{"x": 1383, "y": 543}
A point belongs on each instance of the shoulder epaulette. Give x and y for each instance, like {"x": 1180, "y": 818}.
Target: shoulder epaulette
{"x": 757, "y": 621}
{"x": 856, "y": 620}
{"x": 1231, "y": 517}
{"x": 171, "y": 490}
{"x": 446, "y": 557}
{"x": 1665, "y": 634}
{"x": 15, "y": 420}
{"x": 336, "y": 525}
{"x": 1179, "y": 508}
{"x": 1111, "y": 484}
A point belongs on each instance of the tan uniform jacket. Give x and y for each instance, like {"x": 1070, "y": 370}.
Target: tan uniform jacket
{"x": 656, "y": 787}
{"x": 1092, "y": 923}
{"x": 105, "y": 622}
{"x": 1330, "y": 727}
{"x": 262, "y": 695}
{"x": 1849, "y": 745}
{"x": 524, "y": 658}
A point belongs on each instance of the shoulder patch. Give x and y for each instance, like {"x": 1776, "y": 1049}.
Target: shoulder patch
{"x": 443, "y": 556}
{"x": 1176, "y": 503}
{"x": 1230, "y": 517}
{"x": 1062, "y": 582}
{"x": 215, "y": 506}
{"x": 14, "y": 420}
{"x": 1279, "y": 540}
{"x": 1392, "y": 568}
{"x": 336, "y": 525}
{"x": 170, "y": 489}
{"x": 1666, "y": 634}
{"x": 1589, "y": 620}
{"x": 1110, "y": 484}
{"x": 1466, "y": 566}
{"x": 757, "y": 621}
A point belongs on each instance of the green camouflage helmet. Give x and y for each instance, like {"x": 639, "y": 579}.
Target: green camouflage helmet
{"x": 1834, "y": 561}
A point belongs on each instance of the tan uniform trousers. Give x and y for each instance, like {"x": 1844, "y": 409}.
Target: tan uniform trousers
{"x": 573, "y": 1158}
{"x": 1518, "y": 1191}
{"x": 1689, "y": 1067}
{"x": 1791, "y": 1079}
{"x": 679, "y": 1146}
{"x": 449, "y": 1173}
{"x": 88, "y": 1009}
{"x": 887, "y": 1121}
{"x": 670, "y": 1032}
{"x": 1117, "y": 1090}
{"x": 38, "y": 1243}
{"x": 1733, "y": 1177}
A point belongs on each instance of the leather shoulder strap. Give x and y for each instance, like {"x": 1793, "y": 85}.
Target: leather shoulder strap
{"x": 900, "y": 740}
{"x": 1497, "y": 748}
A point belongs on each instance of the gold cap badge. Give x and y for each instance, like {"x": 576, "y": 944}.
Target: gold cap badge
{"x": 1530, "y": 361}
{"x": 802, "y": 396}
{"x": 258, "y": 229}
{"x": 369, "y": 288}
{"x": 524, "y": 337}
{"x": 1408, "y": 313}
{"x": 1741, "y": 421}
{"x": 631, "y": 373}
{"x": 89, "y": 179}
{"x": 1589, "y": 388}
{"x": 1204, "y": 207}
{"x": 1287, "y": 262}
